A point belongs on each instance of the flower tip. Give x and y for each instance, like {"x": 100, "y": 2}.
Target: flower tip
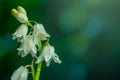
{"x": 48, "y": 35}
{"x": 21, "y": 9}
{"x": 14, "y": 12}
{"x": 38, "y": 61}
{"x": 60, "y": 62}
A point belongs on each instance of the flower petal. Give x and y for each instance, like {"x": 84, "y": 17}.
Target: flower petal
{"x": 24, "y": 74}
{"x": 56, "y": 58}
{"x": 39, "y": 59}
{"x": 48, "y": 54}
{"x": 22, "y": 18}
{"x": 20, "y": 33}
{"x": 17, "y": 73}
{"x": 39, "y": 33}
{"x": 21, "y": 10}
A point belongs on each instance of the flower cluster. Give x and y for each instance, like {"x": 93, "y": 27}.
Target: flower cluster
{"x": 30, "y": 36}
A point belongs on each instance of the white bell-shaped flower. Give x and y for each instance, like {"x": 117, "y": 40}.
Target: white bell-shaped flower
{"x": 20, "y": 33}
{"x": 48, "y": 54}
{"x": 27, "y": 46}
{"x": 20, "y": 14}
{"x": 20, "y": 74}
{"x": 39, "y": 33}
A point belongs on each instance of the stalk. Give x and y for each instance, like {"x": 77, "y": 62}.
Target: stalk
{"x": 38, "y": 71}
{"x": 39, "y": 65}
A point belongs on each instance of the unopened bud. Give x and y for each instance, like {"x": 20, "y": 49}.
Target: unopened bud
{"x": 20, "y": 14}
{"x": 22, "y": 18}
{"x": 14, "y": 12}
{"x": 21, "y": 10}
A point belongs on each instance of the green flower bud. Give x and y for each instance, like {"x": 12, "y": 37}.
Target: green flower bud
{"x": 20, "y": 14}
{"x": 21, "y": 10}
{"x": 14, "y": 12}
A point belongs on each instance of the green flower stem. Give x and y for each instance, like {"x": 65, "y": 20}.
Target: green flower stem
{"x": 27, "y": 66}
{"x": 29, "y": 24}
{"x": 32, "y": 68}
{"x": 38, "y": 71}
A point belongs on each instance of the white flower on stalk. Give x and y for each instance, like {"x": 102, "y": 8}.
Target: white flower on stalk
{"x": 20, "y": 14}
{"x": 39, "y": 33}
{"x": 48, "y": 54}
{"x": 20, "y": 74}
{"x": 20, "y": 33}
{"x": 27, "y": 47}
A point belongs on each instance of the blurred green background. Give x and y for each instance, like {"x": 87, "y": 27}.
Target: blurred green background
{"x": 85, "y": 33}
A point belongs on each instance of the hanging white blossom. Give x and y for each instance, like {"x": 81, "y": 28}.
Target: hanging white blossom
{"x": 39, "y": 33}
{"x": 20, "y": 33}
{"x": 20, "y": 74}
{"x": 48, "y": 54}
{"x": 27, "y": 47}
